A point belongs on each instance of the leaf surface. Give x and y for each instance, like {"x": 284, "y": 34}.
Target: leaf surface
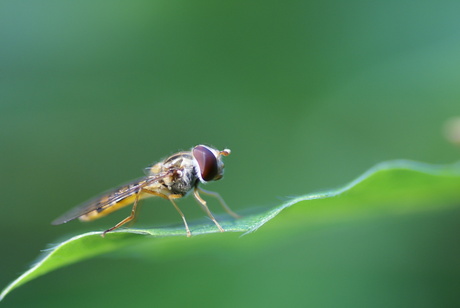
{"x": 390, "y": 188}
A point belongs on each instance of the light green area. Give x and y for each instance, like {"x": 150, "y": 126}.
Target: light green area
{"x": 307, "y": 94}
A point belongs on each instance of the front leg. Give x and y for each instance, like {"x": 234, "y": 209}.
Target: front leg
{"x": 206, "y": 209}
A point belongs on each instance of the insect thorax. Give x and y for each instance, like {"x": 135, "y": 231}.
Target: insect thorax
{"x": 181, "y": 174}
{"x": 182, "y": 185}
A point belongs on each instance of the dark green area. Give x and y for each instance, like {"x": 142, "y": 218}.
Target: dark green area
{"x": 307, "y": 95}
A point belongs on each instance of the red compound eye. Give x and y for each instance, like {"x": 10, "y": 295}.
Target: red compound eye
{"x": 207, "y": 162}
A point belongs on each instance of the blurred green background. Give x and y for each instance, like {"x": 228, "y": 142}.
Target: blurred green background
{"x": 306, "y": 94}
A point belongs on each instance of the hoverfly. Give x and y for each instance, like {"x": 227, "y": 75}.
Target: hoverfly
{"x": 170, "y": 179}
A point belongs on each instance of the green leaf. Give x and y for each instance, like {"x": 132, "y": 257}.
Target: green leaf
{"x": 394, "y": 187}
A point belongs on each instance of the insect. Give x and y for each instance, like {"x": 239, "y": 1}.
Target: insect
{"x": 170, "y": 179}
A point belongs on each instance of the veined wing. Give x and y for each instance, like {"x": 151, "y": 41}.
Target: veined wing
{"x": 108, "y": 199}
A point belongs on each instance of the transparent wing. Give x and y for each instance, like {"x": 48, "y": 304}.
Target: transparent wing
{"x": 108, "y": 199}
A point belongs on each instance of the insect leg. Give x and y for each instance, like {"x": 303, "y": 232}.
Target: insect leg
{"x": 206, "y": 209}
{"x": 221, "y": 200}
{"x": 171, "y": 198}
{"x": 127, "y": 219}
